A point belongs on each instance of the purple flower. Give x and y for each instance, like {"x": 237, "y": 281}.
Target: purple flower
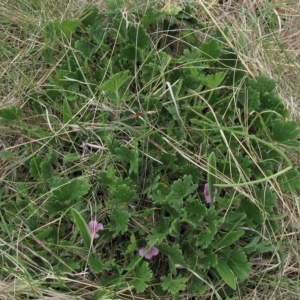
{"x": 207, "y": 195}
{"x": 148, "y": 251}
{"x": 94, "y": 226}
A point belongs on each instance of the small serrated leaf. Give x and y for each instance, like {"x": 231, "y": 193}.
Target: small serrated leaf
{"x": 119, "y": 219}
{"x": 214, "y": 80}
{"x": 238, "y": 263}
{"x": 174, "y": 229}
{"x": 174, "y": 253}
{"x": 48, "y": 56}
{"x": 283, "y": 131}
{"x": 129, "y": 52}
{"x": 179, "y": 190}
{"x": 150, "y": 16}
{"x": 173, "y": 285}
{"x": 125, "y": 154}
{"x": 69, "y": 26}
{"x": 89, "y": 16}
{"x": 8, "y": 115}
{"x": 114, "y": 83}
{"x": 211, "y": 49}
{"x": 7, "y": 154}
{"x": 290, "y": 181}
{"x": 262, "y": 84}
{"x": 142, "y": 276}
{"x": 195, "y": 211}
{"x": 138, "y": 36}
{"x": 123, "y": 194}
{"x": 206, "y": 237}
{"x": 85, "y": 48}
{"x": 95, "y": 263}
{"x": 65, "y": 190}
{"x": 133, "y": 244}
{"x": 46, "y": 170}
{"x": 35, "y": 167}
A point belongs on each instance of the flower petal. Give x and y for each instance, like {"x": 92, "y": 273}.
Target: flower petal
{"x": 149, "y": 255}
{"x": 147, "y": 252}
{"x": 142, "y": 251}
{"x": 92, "y": 224}
{"x": 99, "y": 226}
{"x": 207, "y": 195}
{"x": 154, "y": 251}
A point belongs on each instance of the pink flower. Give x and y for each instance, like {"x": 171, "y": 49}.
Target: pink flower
{"x": 207, "y": 195}
{"x": 94, "y": 226}
{"x": 148, "y": 251}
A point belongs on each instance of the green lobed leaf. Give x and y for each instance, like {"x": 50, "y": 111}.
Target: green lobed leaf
{"x": 107, "y": 178}
{"x": 83, "y": 228}
{"x": 7, "y": 154}
{"x": 179, "y": 190}
{"x": 63, "y": 189}
{"x": 238, "y": 263}
{"x": 252, "y": 211}
{"x": 35, "y": 167}
{"x": 9, "y": 115}
{"x": 255, "y": 246}
{"x": 46, "y": 170}
{"x": 119, "y": 218}
{"x": 129, "y": 52}
{"x": 174, "y": 229}
{"x": 150, "y": 16}
{"x": 142, "y": 276}
{"x": 173, "y": 285}
{"x": 119, "y": 31}
{"x": 214, "y": 80}
{"x": 211, "y": 49}
{"x": 207, "y": 234}
{"x": 209, "y": 260}
{"x": 114, "y": 83}
{"x": 290, "y": 181}
{"x": 196, "y": 286}
{"x": 262, "y": 84}
{"x": 225, "y": 272}
{"x": 195, "y": 211}
{"x": 266, "y": 198}
{"x": 123, "y": 194}
{"x": 133, "y": 244}
{"x": 174, "y": 254}
{"x": 48, "y": 56}
{"x": 89, "y": 16}
{"x": 86, "y": 48}
{"x": 284, "y": 131}
{"x": 69, "y": 26}
{"x": 249, "y": 99}
{"x": 125, "y": 154}
{"x": 96, "y": 264}
{"x": 138, "y": 36}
